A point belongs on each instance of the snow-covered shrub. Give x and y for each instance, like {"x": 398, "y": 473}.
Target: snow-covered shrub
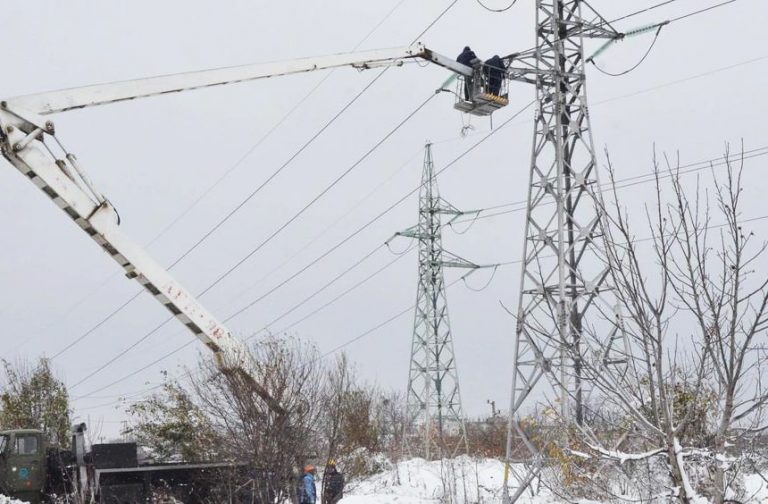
{"x": 362, "y": 463}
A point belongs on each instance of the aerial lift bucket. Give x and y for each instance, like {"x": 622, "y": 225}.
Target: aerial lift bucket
{"x": 473, "y": 95}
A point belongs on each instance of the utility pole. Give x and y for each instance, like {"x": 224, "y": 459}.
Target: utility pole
{"x": 434, "y": 416}
{"x": 565, "y": 278}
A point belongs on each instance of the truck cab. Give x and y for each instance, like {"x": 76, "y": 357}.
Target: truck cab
{"x": 23, "y": 464}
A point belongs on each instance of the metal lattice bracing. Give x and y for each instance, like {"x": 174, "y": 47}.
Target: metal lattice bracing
{"x": 566, "y": 304}
{"x": 435, "y": 422}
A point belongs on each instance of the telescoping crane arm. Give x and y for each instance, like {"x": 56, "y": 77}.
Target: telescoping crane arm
{"x": 28, "y": 141}
{"x": 101, "y": 94}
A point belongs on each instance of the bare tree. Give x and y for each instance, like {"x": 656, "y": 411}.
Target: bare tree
{"x": 232, "y": 423}
{"x": 716, "y": 281}
{"x": 339, "y": 379}
{"x": 290, "y": 369}
{"x": 356, "y": 420}
{"x": 694, "y": 308}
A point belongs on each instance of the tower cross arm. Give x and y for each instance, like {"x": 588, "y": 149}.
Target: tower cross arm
{"x": 451, "y": 260}
{"x": 592, "y": 30}
{"x": 522, "y": 66}
{"x": 444, "y": 207}
{"x": 414, "y": 232}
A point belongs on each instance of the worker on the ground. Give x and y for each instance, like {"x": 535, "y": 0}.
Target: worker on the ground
{"x": 494, "y": 73}
{"x": 333, "y": 484}
{"x": 466, "y": 57}
{"x": 307, "y": 488}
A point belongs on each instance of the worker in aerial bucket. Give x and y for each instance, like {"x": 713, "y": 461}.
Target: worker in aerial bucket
{"x": 494, "y": 69}
{"x": 467, "y": 57}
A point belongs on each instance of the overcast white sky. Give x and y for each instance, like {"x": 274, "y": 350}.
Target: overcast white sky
{"x": 153, "y": 158}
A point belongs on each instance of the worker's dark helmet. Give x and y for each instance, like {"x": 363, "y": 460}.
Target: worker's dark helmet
{"x": 466, "y": 48}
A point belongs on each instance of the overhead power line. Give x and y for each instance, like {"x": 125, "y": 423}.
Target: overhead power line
{"x": 336, "y": 298}
{"x": 686, "y": 15}
{"x": 239, "y": 206}
{"x": 657, "y": 27}
{"x": 434, "y": 21}
{"x": 683, "y": 80}
{"x": 283, "y": 330}
{"x": 662, "y": 4}
{"x": 648, "y": 28}
{"x": 621, "y": 184}
{"x": 507, "y": 123}
{"x": 319, "y": 258}
{"x": 317, "y": 292}
{"x": 609, "y": 100}
{"x": 229, "y": 214}
{"x": 218, "y": 181}
{"x": 287, "y": 223}
{"x": 325, "y": 230}
{"x": 261, "y": 245}
{"x": 708, "y": 73}
{"x": 321, "y": 194}
{"x": 701, "y": 11}
{"x": 274, "y": 128}
{"x": 518, "y": 261}
{"x": 269, "y": 179}
{"x": 634, "y": 180}
{"x": 647, "y": 9}
{"x": 350, "y": 341}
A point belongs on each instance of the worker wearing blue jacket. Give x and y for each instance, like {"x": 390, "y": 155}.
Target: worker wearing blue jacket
{"x": 308, "y": 490}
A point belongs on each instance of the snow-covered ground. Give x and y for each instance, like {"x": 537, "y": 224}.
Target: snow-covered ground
{"x": 756, "y": 489}
{"x": 470, "y": 482}
{"x": 8, "y": 500}
{"x": 417, "y": 481}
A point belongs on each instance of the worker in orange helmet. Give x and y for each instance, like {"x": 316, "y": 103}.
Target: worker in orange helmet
{"x": 307, "y": 489}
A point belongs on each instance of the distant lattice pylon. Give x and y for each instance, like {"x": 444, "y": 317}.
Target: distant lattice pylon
{"x": 434, "y": 416}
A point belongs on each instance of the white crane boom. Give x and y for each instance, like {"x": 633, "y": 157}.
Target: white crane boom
{"x": 101, "y": 94}
{"x": 23, "y": 135}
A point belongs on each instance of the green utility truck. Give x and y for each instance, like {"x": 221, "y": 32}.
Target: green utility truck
{"x": 23, "y": 464}
{"x": 111, "y": 473}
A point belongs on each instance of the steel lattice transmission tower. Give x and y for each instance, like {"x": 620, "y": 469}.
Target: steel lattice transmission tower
{"x": 567, "y": 307}
{"x": 434, "y": 416}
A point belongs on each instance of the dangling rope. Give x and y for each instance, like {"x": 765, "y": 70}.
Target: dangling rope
{"x": 465, "y": 127}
